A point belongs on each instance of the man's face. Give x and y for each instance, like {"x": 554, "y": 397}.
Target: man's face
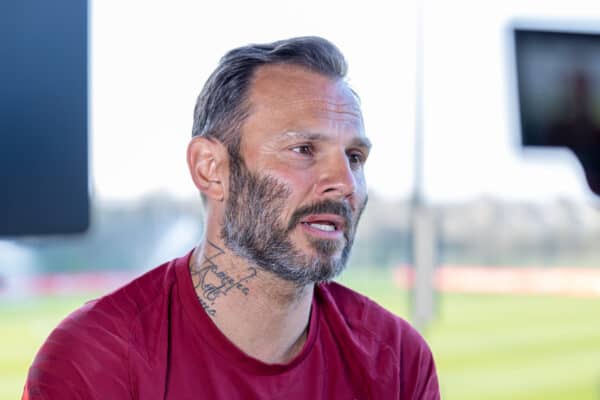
{"x": 296, "y": 194}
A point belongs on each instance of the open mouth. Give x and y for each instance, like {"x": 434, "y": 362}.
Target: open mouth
{"x": 322, "y": 226}
{"x": 328, "y": 226}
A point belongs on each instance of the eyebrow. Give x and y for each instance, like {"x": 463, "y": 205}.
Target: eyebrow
{"x": 315, "y": 136}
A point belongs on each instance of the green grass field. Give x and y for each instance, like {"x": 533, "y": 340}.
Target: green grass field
{"x": 486, "y": 346}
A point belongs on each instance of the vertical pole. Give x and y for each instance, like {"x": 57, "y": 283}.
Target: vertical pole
{"x": 423, "y": 224}
{"x": 418, "y": 155}
{"x": 424, "y": 262}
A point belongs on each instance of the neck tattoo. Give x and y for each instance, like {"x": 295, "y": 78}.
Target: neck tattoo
{"x": 213, "y": 282}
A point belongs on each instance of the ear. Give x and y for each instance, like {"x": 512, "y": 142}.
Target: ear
{"x": 207, "y": 163}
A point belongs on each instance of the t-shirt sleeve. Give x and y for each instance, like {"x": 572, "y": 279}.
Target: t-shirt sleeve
{"x": 85, "y": 357}
{"x": 418, "y": 378}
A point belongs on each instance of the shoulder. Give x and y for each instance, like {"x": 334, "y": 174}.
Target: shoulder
{"x": 379, "y": 331}
{"x": 87, "y": 354}
{"x": 366, "y": 316}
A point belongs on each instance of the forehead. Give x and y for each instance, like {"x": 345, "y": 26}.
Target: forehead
{"x": 289, "y": 95}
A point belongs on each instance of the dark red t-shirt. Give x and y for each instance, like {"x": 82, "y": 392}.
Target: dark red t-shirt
{"x": 151, "y": 339}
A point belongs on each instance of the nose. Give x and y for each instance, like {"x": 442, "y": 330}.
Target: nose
{"x": 337, "y": 180}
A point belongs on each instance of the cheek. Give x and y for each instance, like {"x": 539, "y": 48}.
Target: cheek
{"x": 300, "y": 186}
{"x": 361, "y": 184}
{"x": 299, "y": 181}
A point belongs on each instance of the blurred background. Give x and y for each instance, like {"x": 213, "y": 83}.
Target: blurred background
{"x": 511, "y": 234}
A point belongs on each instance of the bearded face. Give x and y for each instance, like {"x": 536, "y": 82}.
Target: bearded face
{"x": 253, "y": 229}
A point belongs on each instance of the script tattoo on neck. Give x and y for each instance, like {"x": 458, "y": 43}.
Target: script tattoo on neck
{"x": 213, "y": 282}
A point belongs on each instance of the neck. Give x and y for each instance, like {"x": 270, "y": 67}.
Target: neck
{"x": 263, "y": 315}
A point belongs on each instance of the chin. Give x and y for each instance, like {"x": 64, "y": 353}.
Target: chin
{"x": 326, "y": 248}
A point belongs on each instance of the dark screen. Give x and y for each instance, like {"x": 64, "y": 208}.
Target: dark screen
{"x": 43, "y": 117}
{"x": 558, "y": 76}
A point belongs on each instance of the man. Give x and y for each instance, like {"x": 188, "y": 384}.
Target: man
{"x": 278, "y": 152}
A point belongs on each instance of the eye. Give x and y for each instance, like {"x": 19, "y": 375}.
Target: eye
{"x": 356, "y": 158}
{"x": 304, "y": 149}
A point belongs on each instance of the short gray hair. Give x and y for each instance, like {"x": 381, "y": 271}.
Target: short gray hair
{"x": 222, "y": 105}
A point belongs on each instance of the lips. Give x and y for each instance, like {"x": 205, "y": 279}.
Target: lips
{"x": 330, "y": 225}
{"x": 325, "y": 226}
{"x": 326, "y": 219}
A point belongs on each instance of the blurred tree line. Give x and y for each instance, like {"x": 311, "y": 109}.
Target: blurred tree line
{"x": 123, "y": 235}
{"x": 485, "y": 231}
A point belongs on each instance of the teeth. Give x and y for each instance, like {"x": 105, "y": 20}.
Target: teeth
{"x": 323, "y": 227}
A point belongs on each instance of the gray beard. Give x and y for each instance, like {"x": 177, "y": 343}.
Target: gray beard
{"x": 252, "y": 229}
